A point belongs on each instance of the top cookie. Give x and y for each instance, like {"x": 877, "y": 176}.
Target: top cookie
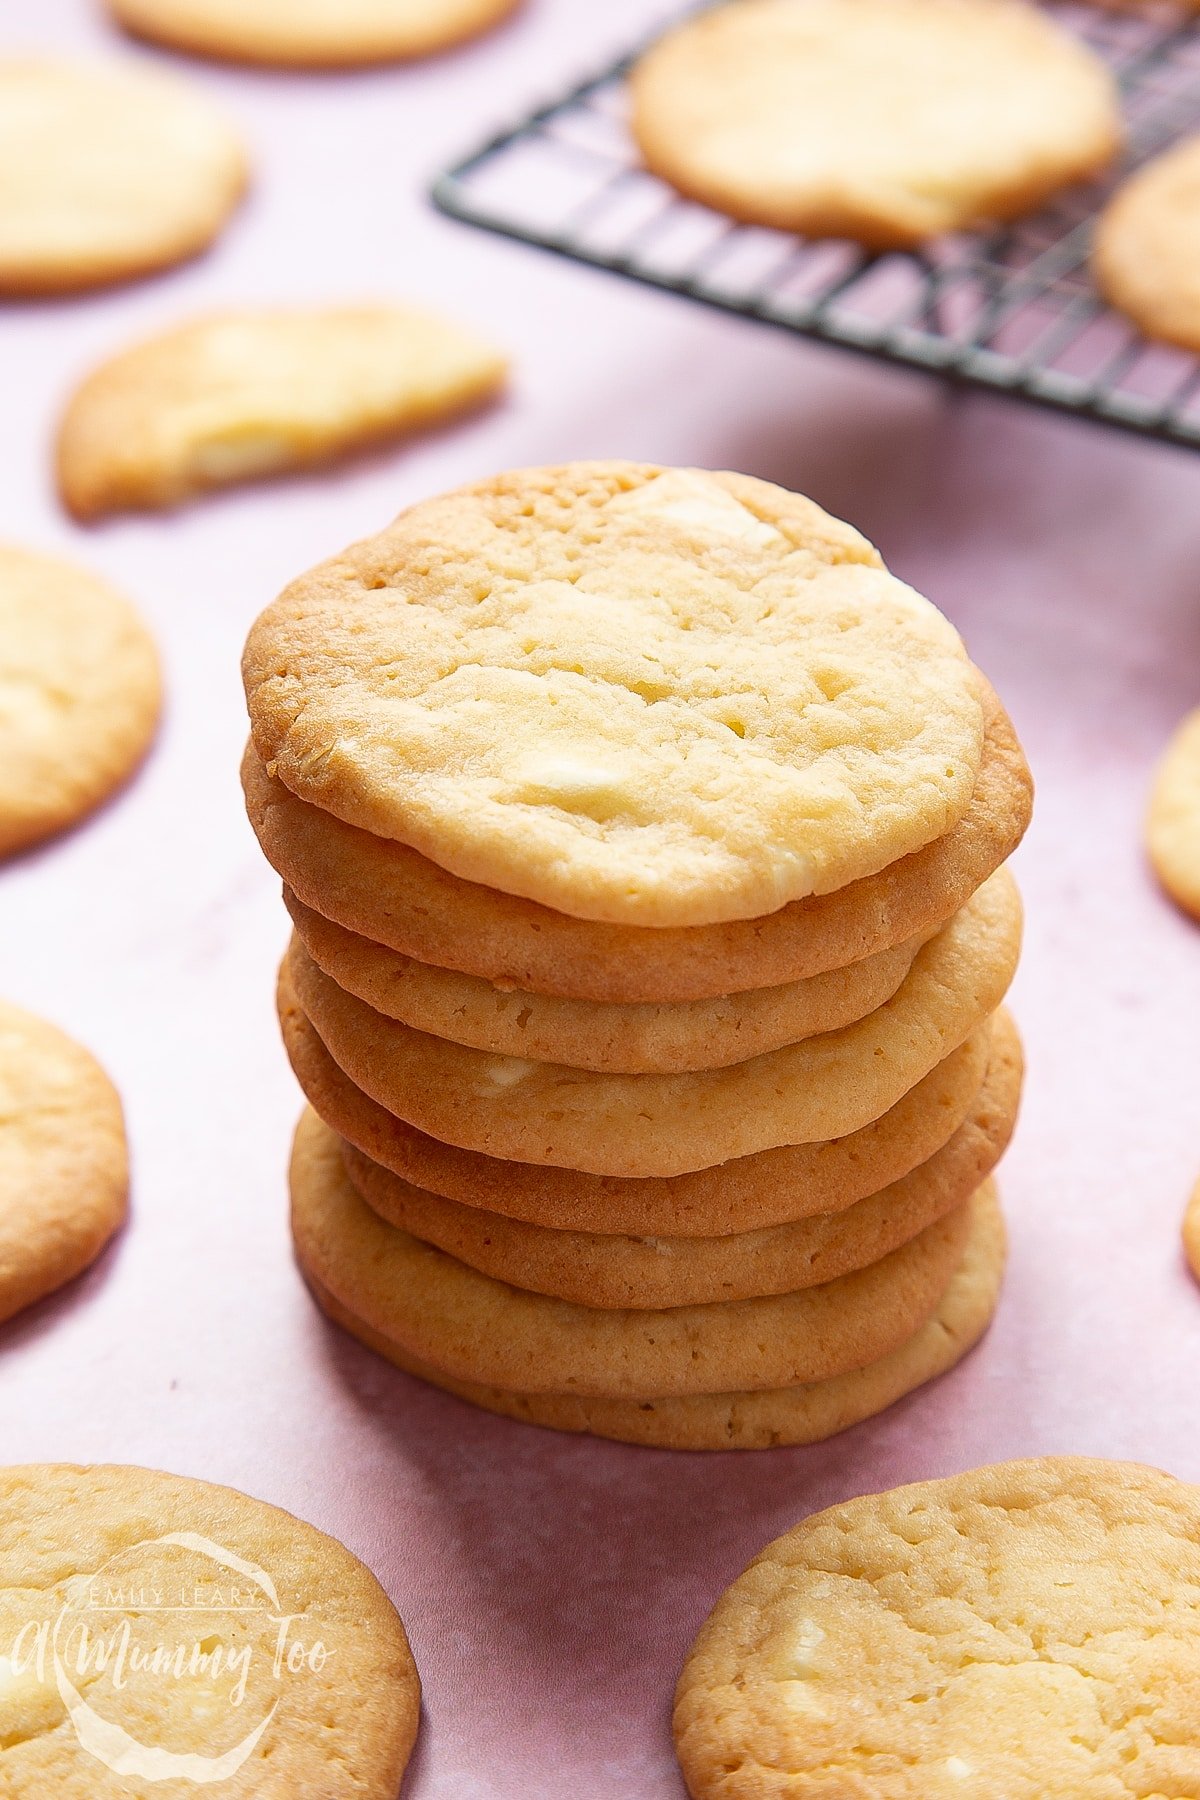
{"x": 888, "y": 121}
{"x": 637, "y": 695}
{"x": 1147, "y": 253}
{"x": 318, "y": 34}
{"x": 106, "y": 173}
{"x": 1029, "y": 1631}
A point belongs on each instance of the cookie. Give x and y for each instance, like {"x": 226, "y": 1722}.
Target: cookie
{"x": 1146, "y": 256}
{"x": 886, "y": 121}
{"x": 1173, "y": 820}
{"x": 80, "y": 694}
{"x": 164, "y": 1636}
{"x": 637, "y": 1125}
{"x": 751, "y": 1421}
{"x": 1027, "y": 1630}
{"x": 1191, "y": 1232}
{"x": 237, "y": 396}
{"x": 107, "y": 171}
{"x": 389, "y": 893}
{"x": 753, "y": 1192}
{"x": 642, "y": 696}
{"x": 600, "y": 1269}
{"x": 64, "y": 1169}
{"x": 588, "y": 1034}
{"x": 310, "y": 34}
{"x": 484, "y": 1331}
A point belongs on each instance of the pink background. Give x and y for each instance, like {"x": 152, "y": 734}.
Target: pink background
{"x": 551, "y": 1585}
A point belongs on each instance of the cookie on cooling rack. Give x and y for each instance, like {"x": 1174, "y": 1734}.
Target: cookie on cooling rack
{"x": 1147, "y": 252}
{"x": 884, "y": 121}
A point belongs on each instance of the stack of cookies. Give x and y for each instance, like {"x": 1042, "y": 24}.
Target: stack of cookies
{"x": 643, "y": 840}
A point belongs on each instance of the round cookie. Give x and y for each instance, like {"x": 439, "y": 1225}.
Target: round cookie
{"x": 1191, "y": 1232}
{"x": 64, "y": 1168}
{"x": 637, "y": 1125}
{"x": 481, "y": 1330}
{"x": 163, "y": 1635}
{"x": 603, "y": 1270}
{"x": 1027, "y": 1630}
{"x": 107, "y": 171}
{"x": 644, "y": 1039}
{"x": 390, "y": 894}
{"x": 1146, "y": 257}
{"x": 751, "y": 1421}
{"x": 236, "y": 396}
{"x": 310, "y": 34}
{"x": 752, "y": 1192}
{"x": 1173, "y": 819}
{"x": 80, "y": 694}
{"x": 888, "y": 121}
{"x": 642, "y": 696}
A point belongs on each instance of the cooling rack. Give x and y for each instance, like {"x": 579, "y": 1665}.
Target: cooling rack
{"x": 1012, "y": 310}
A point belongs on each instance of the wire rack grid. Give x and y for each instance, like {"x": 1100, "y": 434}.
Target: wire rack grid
{"x": 1011, "y": 309}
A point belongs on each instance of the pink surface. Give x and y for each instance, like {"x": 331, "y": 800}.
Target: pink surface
{"x": 551, "y": 1585}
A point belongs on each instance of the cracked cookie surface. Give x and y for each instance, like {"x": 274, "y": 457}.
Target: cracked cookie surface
{"x": 161, "y": 1636}
{"x": 390, "y": 894}
{"x": 649, "y": 696}
{"x": 1030, "y": 1630}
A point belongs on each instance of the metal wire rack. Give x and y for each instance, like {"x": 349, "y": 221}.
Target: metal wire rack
{"x": 1010, "y": 309}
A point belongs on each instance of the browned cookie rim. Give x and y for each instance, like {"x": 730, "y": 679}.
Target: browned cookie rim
{"x": 266, "y": 52}
{"x": 751, "y": 1192}
{"x": 60, "y": 1212}
{"x": 672, "y": 1038}
{"x": 824, "y": 1087}
{"x": 397, "y": 897}
{"x": 628, "y": 1272}
{"x": 487, "y": 1331}
{"x": 764, "y": 1420}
